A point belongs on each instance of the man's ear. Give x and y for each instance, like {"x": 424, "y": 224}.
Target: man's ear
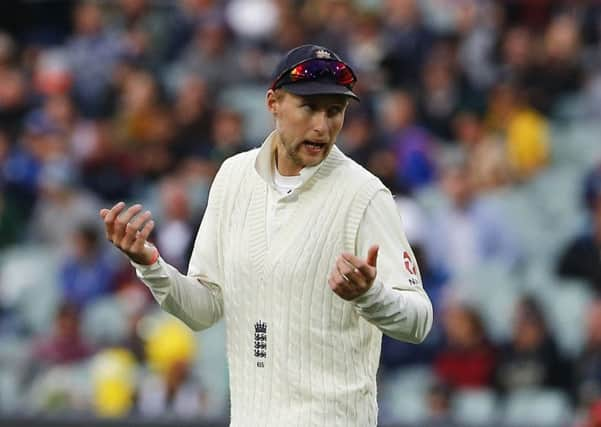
{"x": 271, "y": 100}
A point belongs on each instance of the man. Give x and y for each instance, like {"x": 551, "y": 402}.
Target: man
{"x": 580, "y": 258}
{"x": 283, "y": 222}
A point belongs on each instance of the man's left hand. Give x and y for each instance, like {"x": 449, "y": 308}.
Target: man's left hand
{"x": 352, "y": 276}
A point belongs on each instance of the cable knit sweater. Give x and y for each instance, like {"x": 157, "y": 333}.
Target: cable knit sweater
{"x": 298, "y": 354}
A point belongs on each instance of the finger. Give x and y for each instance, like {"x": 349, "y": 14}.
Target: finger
{"x": 372, "y": 255}
{"x": 142, "y": 237}
{"x": 341, "y": 283}
{"x": 339, "y": 286}
{"x": 344, "y": 269}
{"x": 122, "y": 220}
{"x": 357, "y": 279}
{"x": 109, "y": 219}
{"x": 132, "y": 228}
{"x": 367, "y": 270}
{"x": 114, "y": 211}
{"x": 104, "y": 212}
{"x": 352, "y": 269}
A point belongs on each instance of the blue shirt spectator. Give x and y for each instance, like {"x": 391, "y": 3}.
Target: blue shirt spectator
{"x": 88, "y": 273}
{"x": 467, "y": 230}
{"x": 92, "y": 55}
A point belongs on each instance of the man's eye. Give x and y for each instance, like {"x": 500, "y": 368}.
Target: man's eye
{"x": 334, "y": 110}
{"x": 308, "y": 107}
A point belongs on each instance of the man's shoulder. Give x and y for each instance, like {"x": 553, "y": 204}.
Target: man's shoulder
{"x": 238, "y": 163}
{"x": 353, "y": 172}
{"x": 234, "y": 168}
{"x": 243, "y": 158}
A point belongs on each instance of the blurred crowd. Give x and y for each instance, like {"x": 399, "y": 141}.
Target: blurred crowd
{"x": 479, "y": 115}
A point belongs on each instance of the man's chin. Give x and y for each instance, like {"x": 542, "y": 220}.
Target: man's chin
{"x": 313, "y": 160}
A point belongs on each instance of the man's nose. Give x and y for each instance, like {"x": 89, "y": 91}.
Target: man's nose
{"x": 320, "y": 122}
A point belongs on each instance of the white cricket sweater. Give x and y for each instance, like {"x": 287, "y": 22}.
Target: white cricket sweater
{"x": 298, "y": 354}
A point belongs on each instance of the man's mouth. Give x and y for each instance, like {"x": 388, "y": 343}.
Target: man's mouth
{"x": 314, "y": 146}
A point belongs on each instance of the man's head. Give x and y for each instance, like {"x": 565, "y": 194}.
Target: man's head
{"x": 308, "y": 98}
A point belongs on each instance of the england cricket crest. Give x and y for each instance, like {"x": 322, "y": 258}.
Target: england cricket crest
{"x": 323, "y": 54}
{"x": 260, "y": 348}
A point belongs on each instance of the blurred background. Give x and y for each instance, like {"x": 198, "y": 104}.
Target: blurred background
{"x": 483, "y": 117}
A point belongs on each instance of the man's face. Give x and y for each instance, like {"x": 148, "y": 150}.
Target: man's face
{"x": 308, "y": 126}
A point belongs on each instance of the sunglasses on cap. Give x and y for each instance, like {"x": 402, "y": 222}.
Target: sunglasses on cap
{"x": 315, "y": 69}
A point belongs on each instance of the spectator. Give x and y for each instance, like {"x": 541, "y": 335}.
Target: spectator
{"x": 65, "y": 344}
{"x": 14, "y": 101}
{"x": 580, "y": 258}
{"x": 563, "y": 72}
{"x": 88, "y": 272}
{"x": 210, "y": 56}
{"x": 188, "y": 16}
{"x": 172, "y": 389}
{"x": 439, "y": 403}
{"x": 524, "y": 130}
{"x": 193, "y": 118}
{"x": 479, "y": 28}
{"x": 486, "y": 156}
{"x": 531, "y": 359}
{"x": 410, "y": 143}
{"x": 467, "y": 360}
{"x": 11, "y": 223}
{"x": 357, "y": 138}
{"x": 587, "y": 367}
{"x": 174, "y": 234}
{"x": 467, "y": 230}
{"x": 176, "y": 394}
{"x": 593, "y": 416}
{"x": 441, "y": 94}
{"x": 145, "y": 40}
{"x": 518, "y": 63}
{"x": 227, "y": 136}
{"x": 113, "y": 373}
{"x": 60, "y": 207}
{"x": 406, "y": 41}
{"x": 92, "y": 54}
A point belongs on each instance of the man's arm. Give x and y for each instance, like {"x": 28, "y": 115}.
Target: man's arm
{"x": 197, "y": 301}
{"x": 195, "y": 298}
{"x": 392, "y": 296}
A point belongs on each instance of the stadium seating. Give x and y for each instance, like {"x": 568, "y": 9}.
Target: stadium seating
{"x": 404, "y": 394}
{"x": 475, "y": 407}
{"x": 105, "y": 321}
{"x": 537, "y": 408}
{"x": 28, "y": 283}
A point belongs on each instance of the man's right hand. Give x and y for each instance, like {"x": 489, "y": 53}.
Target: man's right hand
{"x": 129, "y": 232}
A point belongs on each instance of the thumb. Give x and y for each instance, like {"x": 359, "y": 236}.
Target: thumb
{"x": 372, "y": 255}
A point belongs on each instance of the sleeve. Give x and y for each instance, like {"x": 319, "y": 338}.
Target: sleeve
{"x": 195, "y": 298}
{"x": 396, "y": 303}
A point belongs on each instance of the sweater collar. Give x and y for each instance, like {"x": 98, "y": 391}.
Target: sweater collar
{"x": 265, "y": 161}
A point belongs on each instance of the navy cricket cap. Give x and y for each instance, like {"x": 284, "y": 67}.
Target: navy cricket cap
{"x": 314, "y": 70}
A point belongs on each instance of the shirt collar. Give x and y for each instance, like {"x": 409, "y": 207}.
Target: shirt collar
{"x": 265, "y": 161}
